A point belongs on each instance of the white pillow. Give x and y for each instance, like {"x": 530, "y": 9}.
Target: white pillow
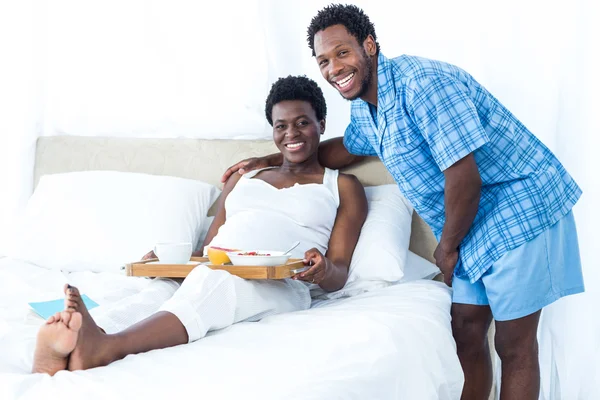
{"x": 380, "y": 254}
{"x": 205, "y": 226}
{"x": 99, "y": 220}
{"x": 418, "y": 268}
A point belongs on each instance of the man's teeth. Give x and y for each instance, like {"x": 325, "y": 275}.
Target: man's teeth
{"x": 293, "y": 145}
{"x": 346, "y": 81}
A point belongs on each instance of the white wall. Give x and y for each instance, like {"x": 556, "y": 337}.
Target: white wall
{"x": 203, "y": 69}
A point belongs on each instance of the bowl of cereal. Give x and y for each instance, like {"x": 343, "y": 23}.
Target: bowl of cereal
{"x": 254, "y": 258}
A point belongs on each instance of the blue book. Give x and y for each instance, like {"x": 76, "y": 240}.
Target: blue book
{"x": 45, "y": 309}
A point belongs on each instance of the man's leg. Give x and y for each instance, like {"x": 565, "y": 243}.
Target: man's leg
{"x": 518, "y": 286}
{"x": 470, "y": 324}
{"x": 517, "y": 346}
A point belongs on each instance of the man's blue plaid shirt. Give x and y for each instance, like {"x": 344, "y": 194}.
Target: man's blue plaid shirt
{"x": 431, "y": 114}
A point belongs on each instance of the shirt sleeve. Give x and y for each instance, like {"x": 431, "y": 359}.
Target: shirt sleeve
{"x": 447, "y": 118}
{"x": 357, "y": 143}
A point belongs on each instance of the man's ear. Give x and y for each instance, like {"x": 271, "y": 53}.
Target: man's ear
{"x": 370, "y": 46}
{"x": 322, "y": 124}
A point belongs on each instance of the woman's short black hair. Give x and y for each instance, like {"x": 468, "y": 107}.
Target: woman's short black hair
{"x": 296, "y": 88}
{"x": 353, "y": 18}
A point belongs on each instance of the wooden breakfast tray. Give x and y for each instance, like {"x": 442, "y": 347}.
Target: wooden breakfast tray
{"x": 142, "y": 268}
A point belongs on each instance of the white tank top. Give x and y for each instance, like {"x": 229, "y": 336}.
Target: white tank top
{"x": 262, "y": 217}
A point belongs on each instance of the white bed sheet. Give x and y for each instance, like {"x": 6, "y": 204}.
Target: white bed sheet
{"x": 393, "y": 343}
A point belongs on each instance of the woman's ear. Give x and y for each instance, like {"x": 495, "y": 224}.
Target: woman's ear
{"x": 322, "y": 125}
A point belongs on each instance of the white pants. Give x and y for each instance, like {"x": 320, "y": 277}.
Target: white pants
{"x": 206, "y": 300}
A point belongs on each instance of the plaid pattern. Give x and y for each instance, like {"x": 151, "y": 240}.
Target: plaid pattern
{"x": 431, "y": 114}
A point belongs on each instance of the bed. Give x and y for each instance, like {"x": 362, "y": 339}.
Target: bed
{"x": 391, "y": 343}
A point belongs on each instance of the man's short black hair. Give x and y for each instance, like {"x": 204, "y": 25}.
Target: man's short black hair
{"x": 296, "y": 88}
{"x": 357, "y": 23}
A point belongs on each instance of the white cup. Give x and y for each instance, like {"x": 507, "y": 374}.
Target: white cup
{"x": 173, "y": 253}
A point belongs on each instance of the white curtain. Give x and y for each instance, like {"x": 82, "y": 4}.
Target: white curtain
{"x": 203, "y": 69}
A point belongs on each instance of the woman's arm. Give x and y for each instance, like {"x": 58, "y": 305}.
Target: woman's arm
{"x": 220, "y": 216}
{"x": 331, "y": 271}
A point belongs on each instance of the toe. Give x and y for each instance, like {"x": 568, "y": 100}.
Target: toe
{"x": 72, "y": 290}
{"x": 72, "y": 298}
{"x": 70, "y": 305}
{"x": 75, "y": 321}
{"x": 53, "y": 318}
{"x": 65, "y": 317}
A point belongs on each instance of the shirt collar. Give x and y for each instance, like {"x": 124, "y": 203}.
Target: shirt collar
{"x": 386, "y": 90}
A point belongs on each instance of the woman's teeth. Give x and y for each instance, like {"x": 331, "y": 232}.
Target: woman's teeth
{"x": 294, "y": 145}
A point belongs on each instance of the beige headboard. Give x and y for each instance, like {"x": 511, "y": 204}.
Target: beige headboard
{"x": 204, "y": 160}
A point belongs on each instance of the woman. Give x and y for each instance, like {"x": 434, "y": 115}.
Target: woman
{"x": 266, "y": 209}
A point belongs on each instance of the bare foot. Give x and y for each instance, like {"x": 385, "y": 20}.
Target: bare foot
{"x": 56, "y": 339}
{"x": 92, "y": 348}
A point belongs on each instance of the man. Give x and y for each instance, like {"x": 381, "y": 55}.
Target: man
{"x": 496, "y": 198}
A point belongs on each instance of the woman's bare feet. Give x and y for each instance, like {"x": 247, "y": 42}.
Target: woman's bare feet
{"x": 92, "y": 348}
{"x": 56, "y": 339}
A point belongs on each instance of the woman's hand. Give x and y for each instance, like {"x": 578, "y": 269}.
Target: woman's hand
{"x": 319, "y": 267}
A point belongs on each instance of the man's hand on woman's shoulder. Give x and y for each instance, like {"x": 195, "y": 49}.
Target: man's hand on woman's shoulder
{"x": 250, "y": 164}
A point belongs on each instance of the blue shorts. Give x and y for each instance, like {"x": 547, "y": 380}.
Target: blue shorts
{"x": 530, "y": 277}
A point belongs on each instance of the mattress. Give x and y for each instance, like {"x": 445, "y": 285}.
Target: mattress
{"x": 392, "y": 343}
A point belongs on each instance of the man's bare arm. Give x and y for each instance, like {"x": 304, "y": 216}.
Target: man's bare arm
{"x": 461, "y": 199}
{"x": 332, "y": 154}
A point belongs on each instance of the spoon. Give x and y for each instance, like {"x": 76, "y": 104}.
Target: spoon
{"x": 293, "y": 247}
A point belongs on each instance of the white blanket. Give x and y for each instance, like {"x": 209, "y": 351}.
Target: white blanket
{"x": 393, "y": 343}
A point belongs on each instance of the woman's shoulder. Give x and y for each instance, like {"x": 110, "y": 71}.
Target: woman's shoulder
{"x": 349, "y": 185}
{"x": 348, "y": 179}
{"x": 351, "y": 195}
{"x": 254, "y": 173}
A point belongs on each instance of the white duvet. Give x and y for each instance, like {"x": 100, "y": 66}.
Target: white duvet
{"x": 393, "y": 343}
